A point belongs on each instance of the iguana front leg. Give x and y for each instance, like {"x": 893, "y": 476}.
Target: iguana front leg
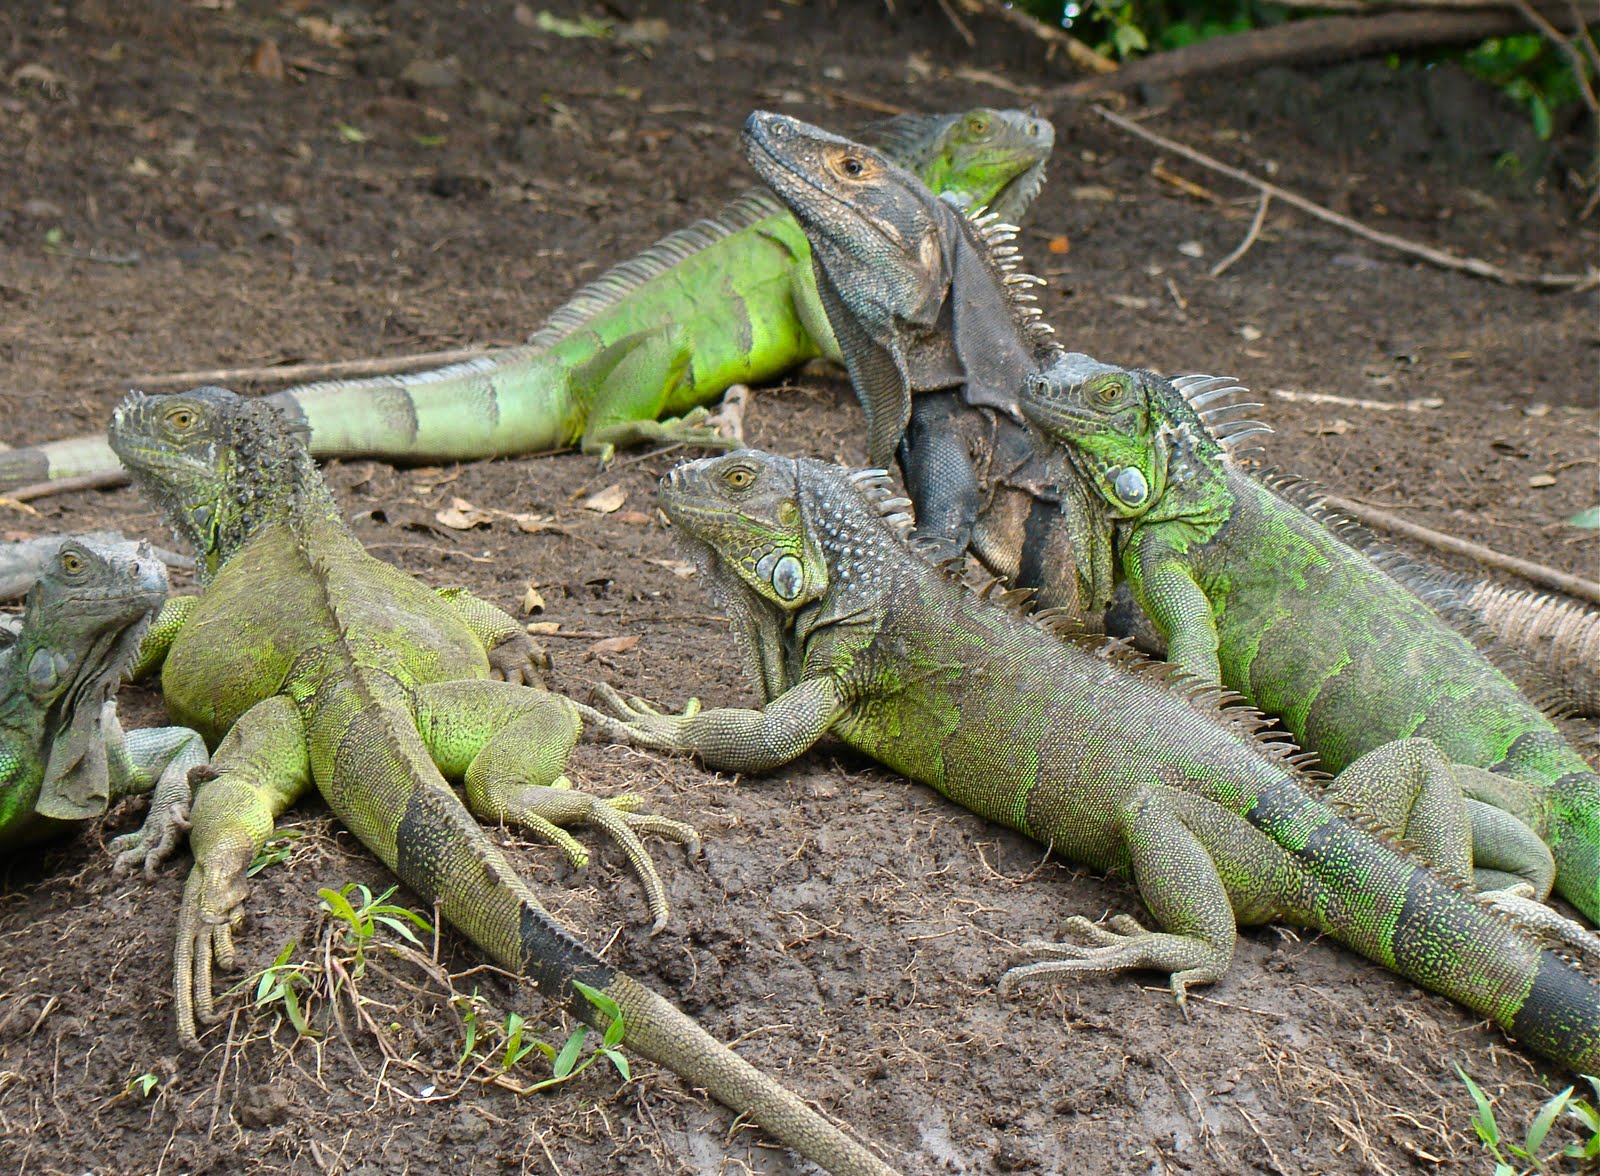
{"x": 509, "y": 746}
{"x": 259, "y": 770}
{"x": 513, "y": 655}
{"x": 629, "y": 384}
{"x": 1179, "y": 608}
{"x": 1180, "y": 883}
{"x": 733, "y": 738}
{"x": 158, "y": 638}
{"x": 158, "y": 758}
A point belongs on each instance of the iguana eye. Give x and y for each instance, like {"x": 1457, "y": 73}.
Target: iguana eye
{"x": 1109, "y": 392}
{"x": 739, "y": 477}
{"x": 181, "y": 419}
{"x": 72, "y": 563}
{"x": 852, "y": 167}
{"x": 978, "y": 125}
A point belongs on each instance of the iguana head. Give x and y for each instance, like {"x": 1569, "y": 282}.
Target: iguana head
{"x": 745, "y": 511}
{"x": 1115, "y": 425}
{"x": 849, "y": 198}
{"x": 85, "y": 617}
{"x": 219, "y": 465}
{"x": 984, "y": 158}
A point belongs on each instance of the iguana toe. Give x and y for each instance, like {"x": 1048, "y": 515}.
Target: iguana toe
{"x": 519, "y": 660}
{"x": 153, "y": 842}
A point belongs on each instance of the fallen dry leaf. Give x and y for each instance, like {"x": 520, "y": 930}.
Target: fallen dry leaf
{"x": 532, "y": 600}
{"x": 533, "y": 524}
{"x": 543, "y": 628}
{"x": 678, "y": 567}
{"x": 607, "y": 500}
{"x": 633, "y": 518}
{"x": 1059, "y": 244}
{"x": 461, "y": 515}
{"x": 613, "y": 645}
{"x": 1539, "y": 481}
{"x": 267, "y": 62}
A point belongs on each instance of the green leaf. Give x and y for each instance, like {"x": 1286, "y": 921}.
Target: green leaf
{"x": 339, "y": 906}
{"x": 1483, "y": 1119}
{"x": 586, "y": 26}
{"x": 351, "y": 134}
{"x": 1589, "y": 519}
{"x": 429, "y": 140}
{"x": 568, "y": 1056}
{"x": 620, "y": 1061}
{"x": 1542, "y": 1122}
{"x": 1539, "y": 109}
{"x": 396, "y": 925}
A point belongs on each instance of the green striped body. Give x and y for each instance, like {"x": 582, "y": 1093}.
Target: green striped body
{"x": 1108, "y": 759}
{"x": 1257, "y": 588}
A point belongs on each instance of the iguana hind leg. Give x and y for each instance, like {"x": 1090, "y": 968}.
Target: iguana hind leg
{"x": 626, "y": 387}
{"x": 509, "y": 746}
{"x": 1180, "y": 884}
{"x": 260, "y": 769}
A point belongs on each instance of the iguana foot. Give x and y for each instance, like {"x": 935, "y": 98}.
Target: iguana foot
{"x": 1520, "y": 904}
{"x": 692, "y": 428}
{"x": 1124, "y": 944}
{"x": 213, "y": 905}
{"x": 633, "y": 720}
{"x": 520, "y": 660}
{"x": 153, "y": 842}
{"x": 546, "y": 810}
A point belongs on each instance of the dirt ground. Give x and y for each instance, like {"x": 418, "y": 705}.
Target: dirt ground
{"x": 844, "y": 928}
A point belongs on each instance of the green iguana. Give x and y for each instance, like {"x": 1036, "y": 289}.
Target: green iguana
{"x": 1111, "y": 760}
{"x": 725, "y": 300}
{"x": 64, "y": 757}
{"x": 1258, "y": 588}
{"x": 938, "y": 331}
{"x": 316, "y": 665}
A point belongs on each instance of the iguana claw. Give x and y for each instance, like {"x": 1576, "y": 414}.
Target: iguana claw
{"x": 213, "y": 904}
{"x": 545, "y": 810}
{"x": 520, "y": 660}
{"x": 643, "y": 722}
{"x": 1123, "y": 944}
{"x": 153, "y": 842}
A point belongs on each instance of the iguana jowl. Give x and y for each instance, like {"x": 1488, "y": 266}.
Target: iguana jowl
{"x": 725, "y": 300}
{"x": 1107, "y": 758}
{"x": 1255, "y": 587}
{"x": 316, "y": 665}
{"x": 64, "y": 757}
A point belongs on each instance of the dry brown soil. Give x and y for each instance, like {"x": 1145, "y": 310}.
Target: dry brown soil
{"x": 845, "y": 928}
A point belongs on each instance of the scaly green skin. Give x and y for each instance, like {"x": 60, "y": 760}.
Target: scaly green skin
{"x": 64, "y": 757}
{"x": 1107, "y": 759}
{"x": 1255, "y": 591}
{"x": 317, "y": 665}
{"x": 724, "y": 301}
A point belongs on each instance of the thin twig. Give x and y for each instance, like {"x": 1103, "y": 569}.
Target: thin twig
{"x": 1077, "y": 52}
{"x": 1527, "y": 569}
{"x": 101, "y": 480}
{"x": 1567, "y": 49}
{"x": 296, "y": 373}
{"x": 1249, "y": 238}
{"x": 960, "y": 25}
{"x": 1471, "y": 265}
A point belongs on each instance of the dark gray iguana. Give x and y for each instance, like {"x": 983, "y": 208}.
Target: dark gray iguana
{"x": 1108, "y": 759}
{"x": 1258, "y": 588}
{"x": 316, "y": 665}
{"x": 64, "y": 757}
{"x": 725, "y": 300}
{"x": 938, "y": 332}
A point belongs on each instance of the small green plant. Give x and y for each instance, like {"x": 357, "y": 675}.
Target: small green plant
{"x": 275, "y": 851}
{"x": 142, "y": 1084}
{"x": 1528, "y": 1157}
{"x": 281, "y": 983}
{"x": 362, "y": 919}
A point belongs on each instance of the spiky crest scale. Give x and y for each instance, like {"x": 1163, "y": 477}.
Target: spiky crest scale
{"x": 622, "y": 279}
{"x": 1004, "y": 259}
{"x": 1201, "y": 393}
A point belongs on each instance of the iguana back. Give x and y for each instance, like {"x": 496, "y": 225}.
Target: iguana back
{"x": 1257, "y": 587}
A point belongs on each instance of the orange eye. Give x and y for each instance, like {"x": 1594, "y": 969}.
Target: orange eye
{"x": 181, "y": 419}
{"x": 852, "y": 167}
